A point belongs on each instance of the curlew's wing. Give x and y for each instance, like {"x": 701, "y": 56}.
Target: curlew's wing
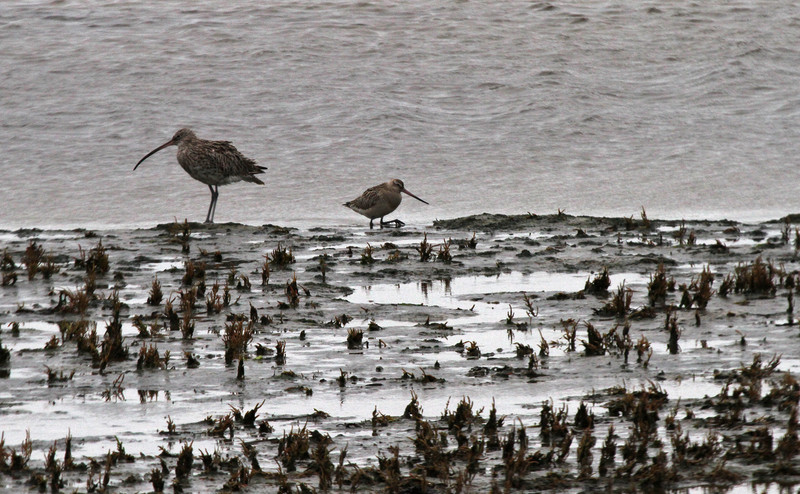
{"x": 231, "y": 162}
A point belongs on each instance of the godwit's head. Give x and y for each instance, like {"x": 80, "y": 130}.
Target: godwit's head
{"x": 399, "y": 186}
{"x": 183, "y": 135}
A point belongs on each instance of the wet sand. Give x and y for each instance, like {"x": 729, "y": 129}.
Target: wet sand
{"x": 492, "y": 365}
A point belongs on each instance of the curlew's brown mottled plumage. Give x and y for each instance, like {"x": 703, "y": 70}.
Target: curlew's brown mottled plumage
{"x": 378, "y": 201}
{"x": 214, "y": 163}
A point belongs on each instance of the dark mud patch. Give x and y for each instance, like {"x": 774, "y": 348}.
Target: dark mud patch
{"x": 578, "y": 224}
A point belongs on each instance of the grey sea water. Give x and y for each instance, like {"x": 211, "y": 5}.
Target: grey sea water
{"x": 688, "y": 109}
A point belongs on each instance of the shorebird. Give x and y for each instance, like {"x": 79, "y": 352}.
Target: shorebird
{"x": 214, "y": 163}
{"x": 378, "y": 201}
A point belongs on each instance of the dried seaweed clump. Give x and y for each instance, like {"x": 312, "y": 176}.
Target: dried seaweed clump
{"x": 32, "y": 258}
{"x": 425, "y": 248}
{"x": 156, "y": 295}
{"x": 97, "y": 262}
{"x": 281, "y": 256}
{"x": 355, "y": 339}
{"x": 701, "y": 286}
{"x": 620, "y": 303}
{"x": 8, "y": 268}
{"x": 658, "y": 286}
{"x": 236, "y": 338}
{"x": 599, "y": 285}
{"x": 756, "y": 278}
{"x": 293, "y": 447}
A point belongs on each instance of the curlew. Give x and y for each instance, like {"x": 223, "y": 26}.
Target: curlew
{"x": 214, "y": 163}
{"x": 378, "y": 201}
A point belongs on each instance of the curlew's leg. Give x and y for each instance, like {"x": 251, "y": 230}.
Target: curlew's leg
{"x": 212, "y": 205}
{"x": 370, "y": 223}
{"x": 216, "y": 196}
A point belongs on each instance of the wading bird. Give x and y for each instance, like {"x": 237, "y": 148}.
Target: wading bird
{"x": 378, "y": 201}
{"x": 214, "y": 163}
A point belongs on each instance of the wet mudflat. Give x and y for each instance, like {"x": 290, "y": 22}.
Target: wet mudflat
{"x": 482, "y": 354}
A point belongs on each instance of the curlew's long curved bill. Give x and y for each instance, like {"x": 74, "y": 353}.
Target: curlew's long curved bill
{"x": 404, "y": 190}
{"x": 151, "y": 153}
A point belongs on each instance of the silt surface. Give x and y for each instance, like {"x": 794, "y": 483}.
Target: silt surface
{"x": 481, "y": 324}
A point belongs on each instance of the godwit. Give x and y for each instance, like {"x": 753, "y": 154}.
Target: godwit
{"x": 214, "y": 163}
{"x": 378, "y": 201}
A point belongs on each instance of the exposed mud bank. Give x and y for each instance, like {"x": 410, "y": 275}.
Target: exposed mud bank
{"x": 483, "y": 353}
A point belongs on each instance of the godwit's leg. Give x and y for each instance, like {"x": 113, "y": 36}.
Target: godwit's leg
{"x": 370, "y": 223}
{"x": 397, "y": 223}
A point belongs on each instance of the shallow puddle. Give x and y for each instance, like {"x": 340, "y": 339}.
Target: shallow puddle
{"x": 451, "y": 293}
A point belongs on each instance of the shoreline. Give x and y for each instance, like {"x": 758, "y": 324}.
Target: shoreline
{"x": 415, "y": 223}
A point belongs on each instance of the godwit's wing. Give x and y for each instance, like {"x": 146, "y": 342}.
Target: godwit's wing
{"x": 366, "y": 201}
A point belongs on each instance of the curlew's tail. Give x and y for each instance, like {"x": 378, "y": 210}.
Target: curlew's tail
{"x": 253, "y": 179}
{"x": 252, "y": 176}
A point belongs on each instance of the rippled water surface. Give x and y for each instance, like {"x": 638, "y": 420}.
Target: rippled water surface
{"x": 687, "y": 109}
